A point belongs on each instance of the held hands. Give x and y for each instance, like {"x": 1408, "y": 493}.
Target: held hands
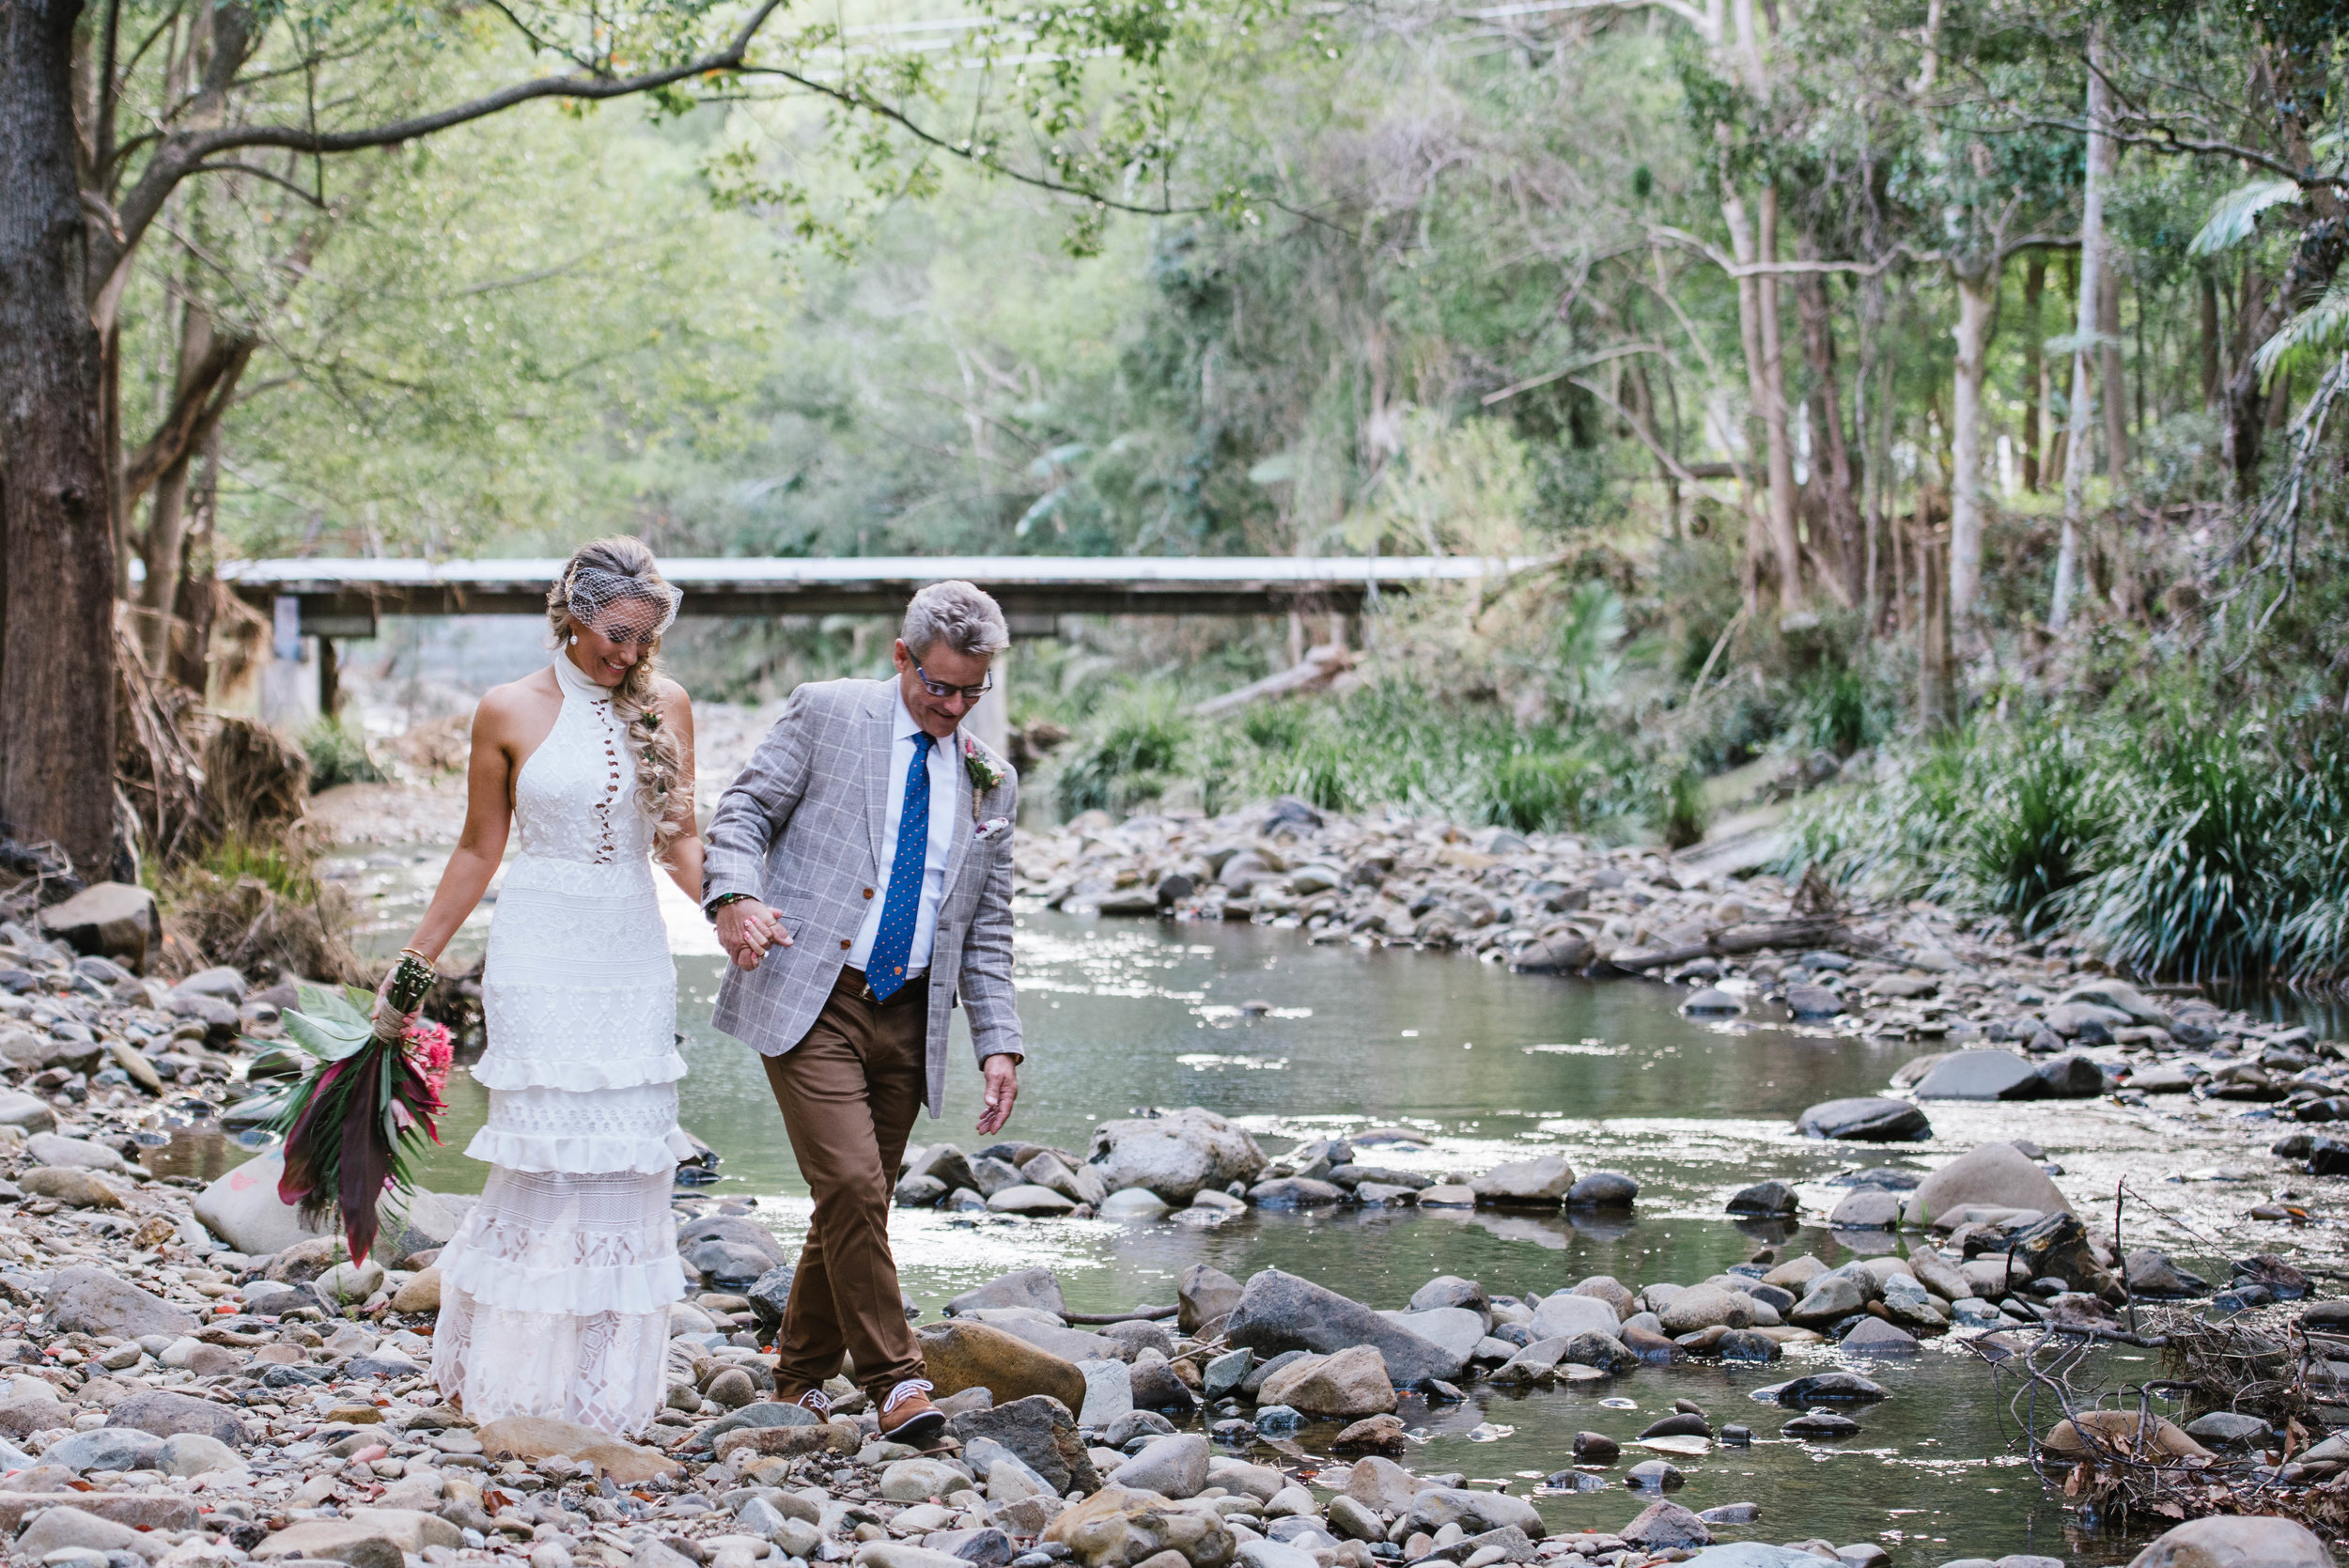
{"x": 747, "y": 928}
{"x": 1003, "y": 1091}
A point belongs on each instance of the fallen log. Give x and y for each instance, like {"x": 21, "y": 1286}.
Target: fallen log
{"x": 1799, "y": 932}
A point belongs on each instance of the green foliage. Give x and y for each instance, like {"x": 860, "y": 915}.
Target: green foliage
{"x": 284, "y": 869}
{"x": 339, "y": 754}
{"x": 2178, "y": 842}
{"x": 1537, "y": 791}
{"x": 1129, "y": 753}
{"x": 1680, "y": 814}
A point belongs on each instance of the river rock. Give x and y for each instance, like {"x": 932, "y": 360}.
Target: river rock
{"x": 1870, "y": 1119}
{"x": 1342, "y": 1387}
{"x": 1040, "y": 1432}
{"x": 26, "y": 1112}
{"x": 2117, "y": 995}
{"x": 163, "y": 1414}
{"x": 2229, "y": 1429}
{"x": 1982, "y": 1075}
{"x": 1873, "y": 1336}
{"x": 1819, "y": 1424}
{"x": 1997, "y": 1176}
{"x": 1455, "y": 1328}
{"x": 48, "y": 1148}
{"x": 1119, "y": 1526}
{"x": 109, "y": 920}
{"x": 1662, "y": 1525}
{"x": 92, "y": 1301}
{"x": 1770, "y": 1197}
{"x": 1866, "y": 1208}
{"x": 1038, "y": 1288}
{"x": 78, "y": 1188}
{"x": 1173, "y": 1467}
{"x": 1702, "y": 1307}
{"x": 1831, "y": 1297}
{"x": 2150, "y": 1273}
{"x": 106, "y": 1448}
{"x": 2236, "y": 1541}
{"x": 2094, "y": 1432}
{"x": 1131, "y": 1202}
{"x": 1474, "y": 1509}
{"x": 1591, "y": 1348}
{"x": 1538, "y": 1183}
{"x": 961, "y": 1356}
{"x": 1450, "y": 1289}
{"x": 1567, "y": 1314}
{"x": 62, "y": 1528}
{"x": 1603, "y": 1190}
{"x": 1281, "y": 1311}
{"x": 1382, "y": 1484}
{"x": 242, "y": 1208}
{"x": 1028, "y": 1198}
{"x": 1753, "y": 1554}
{"x": 1176, "y": 1154}
{"x": 1710, "y": 1001}
{"x": 1153, "y": 1385}
{"x": 534, "y": 1438}
{"x": 1567, "y": 952}
{"x": 1813, "y": 1001}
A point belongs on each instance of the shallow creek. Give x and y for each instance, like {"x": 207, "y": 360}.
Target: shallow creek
{"x": 1122, "y": 1016}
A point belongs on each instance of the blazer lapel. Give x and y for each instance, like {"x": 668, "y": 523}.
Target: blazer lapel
{"x": 964, "y": 788}
{"x": 880, "y": 742}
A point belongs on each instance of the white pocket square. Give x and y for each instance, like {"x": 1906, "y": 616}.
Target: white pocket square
{"x": 994, "y": 827}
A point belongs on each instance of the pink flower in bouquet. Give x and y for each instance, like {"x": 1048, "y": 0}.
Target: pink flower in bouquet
{"x": 432, "y": 1049}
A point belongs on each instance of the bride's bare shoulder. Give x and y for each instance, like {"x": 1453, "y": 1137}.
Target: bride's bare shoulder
{"x": 523, "y": 702}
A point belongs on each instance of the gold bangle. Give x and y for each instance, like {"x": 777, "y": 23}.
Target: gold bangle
{"x": 412, "y": 953}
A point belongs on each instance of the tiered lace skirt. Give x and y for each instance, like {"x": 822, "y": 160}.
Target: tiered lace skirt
{"x": 555, "y": 1293}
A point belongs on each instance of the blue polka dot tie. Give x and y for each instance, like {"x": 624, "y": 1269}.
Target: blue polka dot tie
{"x": 885, "y": 969}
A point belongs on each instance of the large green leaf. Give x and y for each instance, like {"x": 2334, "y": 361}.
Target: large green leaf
{"x": 323, "y": 1034}
{"x": 2236, "y": 215}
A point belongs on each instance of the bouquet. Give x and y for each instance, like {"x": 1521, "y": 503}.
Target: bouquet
{"x": 353, "y": 1120}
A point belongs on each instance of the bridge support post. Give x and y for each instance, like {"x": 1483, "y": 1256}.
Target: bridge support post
{"x": 990, "y": 716}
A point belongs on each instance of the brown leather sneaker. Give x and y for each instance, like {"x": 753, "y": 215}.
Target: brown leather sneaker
{"x": 908, "y": 1417}
{"x": 807, "y": 1399}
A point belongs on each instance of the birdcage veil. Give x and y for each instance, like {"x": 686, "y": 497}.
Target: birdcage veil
{"x": 619, "y": 606}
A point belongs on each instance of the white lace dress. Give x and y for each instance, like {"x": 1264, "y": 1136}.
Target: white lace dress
{"x": 554, "y": 1292}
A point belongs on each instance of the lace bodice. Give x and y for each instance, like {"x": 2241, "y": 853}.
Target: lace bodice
{"x": 576, "y": 797}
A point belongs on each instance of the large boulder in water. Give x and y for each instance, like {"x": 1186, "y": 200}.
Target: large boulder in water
{"x": 1982, "y": 1074}
{"x": 1280, "y": 1312}
{"x": 962, "y": 1355}
{"x": 2236, "y": 1541}
{"x": 1176, "y": 1154}
{"x": 1869, "y": 1119}
{"x": 1997, "y": 1175}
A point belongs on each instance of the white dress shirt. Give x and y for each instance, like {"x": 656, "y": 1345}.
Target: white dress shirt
{"x": 941, "y": 845}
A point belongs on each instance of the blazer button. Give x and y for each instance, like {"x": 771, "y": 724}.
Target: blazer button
{"x": 844, "y": 944}
{"x": 868, "y": 893}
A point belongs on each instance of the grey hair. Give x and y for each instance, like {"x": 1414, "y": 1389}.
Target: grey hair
{"x": 957, "y": 614}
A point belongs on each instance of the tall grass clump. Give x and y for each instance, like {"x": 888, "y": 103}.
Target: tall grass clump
{"x": 1130, "y": 751}
{"x": 339, "y": 754}
{"x": 2176, "y": 843}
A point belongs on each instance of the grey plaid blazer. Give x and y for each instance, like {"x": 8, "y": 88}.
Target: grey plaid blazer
{"x": 801, "y": 829}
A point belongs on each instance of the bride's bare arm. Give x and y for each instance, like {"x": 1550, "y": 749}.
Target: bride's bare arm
{"x": 685, "y": 850}
{"x": 489, "y": 817}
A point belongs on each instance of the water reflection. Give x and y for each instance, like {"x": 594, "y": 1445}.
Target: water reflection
{"x": 1300, "y": 1041}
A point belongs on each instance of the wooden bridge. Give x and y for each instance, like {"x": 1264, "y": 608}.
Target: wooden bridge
{"x": 338, "y": 598}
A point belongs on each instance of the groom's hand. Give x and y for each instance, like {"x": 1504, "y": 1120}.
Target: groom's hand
{"x": 747, "y": 928}
{"x": 1002, "y": 1088}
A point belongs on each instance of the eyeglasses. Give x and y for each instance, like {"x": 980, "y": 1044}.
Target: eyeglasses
{"x": 940, "y": 688}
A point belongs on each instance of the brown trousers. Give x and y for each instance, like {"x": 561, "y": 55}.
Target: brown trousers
{"x": 849, "y": 1090}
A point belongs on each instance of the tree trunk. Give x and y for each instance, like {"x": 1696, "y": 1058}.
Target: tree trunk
{"x": 1977, "y": 303}
{"x": 2076, "y": 455}
{"x": 2207, "y": 286}
{"x": 2034, "y": 369}
{"x": 1757, "y": 319}
{"x": 1831, "y": 459}
{"x": 2112, "y": 380}
{"x": 1937, "y": 687}
{"x": 56, "y": 521}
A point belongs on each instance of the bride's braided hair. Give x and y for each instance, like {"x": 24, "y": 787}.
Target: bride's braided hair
{"x": 660, "y": 757}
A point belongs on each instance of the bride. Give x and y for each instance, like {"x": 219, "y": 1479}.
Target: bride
{"x": 554, "y": 1292}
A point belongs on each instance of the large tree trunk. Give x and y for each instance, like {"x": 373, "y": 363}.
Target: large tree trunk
{"x": 2207, "y": 322}
{"x": 1977, "y": 303}
{"x": 2112, "y": 379}
{"x": 2076, "y": 454}
{"x": 2034, "y": 371}
{"x": 56, "y": 518}
{"x": 209, "y": 369}
{"x": 1831, "y": 460}
{"x": 1757, "y": 319}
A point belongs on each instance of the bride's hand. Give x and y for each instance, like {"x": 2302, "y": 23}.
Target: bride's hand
{"x": 382, "y": 1009}
{"x": 747, "y": 928}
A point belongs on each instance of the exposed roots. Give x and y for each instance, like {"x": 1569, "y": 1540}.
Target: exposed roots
{"x": 243, "y": 921}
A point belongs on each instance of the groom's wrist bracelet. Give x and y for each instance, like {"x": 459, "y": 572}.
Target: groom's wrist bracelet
{"x": 722, "y": 900}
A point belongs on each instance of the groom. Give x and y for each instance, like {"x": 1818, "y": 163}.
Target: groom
{"x": 860, "y": 874}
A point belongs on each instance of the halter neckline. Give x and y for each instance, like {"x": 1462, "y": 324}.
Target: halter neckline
{"x": 574, "y": 680}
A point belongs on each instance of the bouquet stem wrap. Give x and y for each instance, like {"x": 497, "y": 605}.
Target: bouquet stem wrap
{"x": 352, "y": 1122}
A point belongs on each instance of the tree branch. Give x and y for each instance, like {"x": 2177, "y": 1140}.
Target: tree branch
{"x": 1737, "y": 268}
{"x": 201, "y": 397}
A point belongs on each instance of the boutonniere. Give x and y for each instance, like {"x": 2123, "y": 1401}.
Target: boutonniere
{"x": 985, "y": 775}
